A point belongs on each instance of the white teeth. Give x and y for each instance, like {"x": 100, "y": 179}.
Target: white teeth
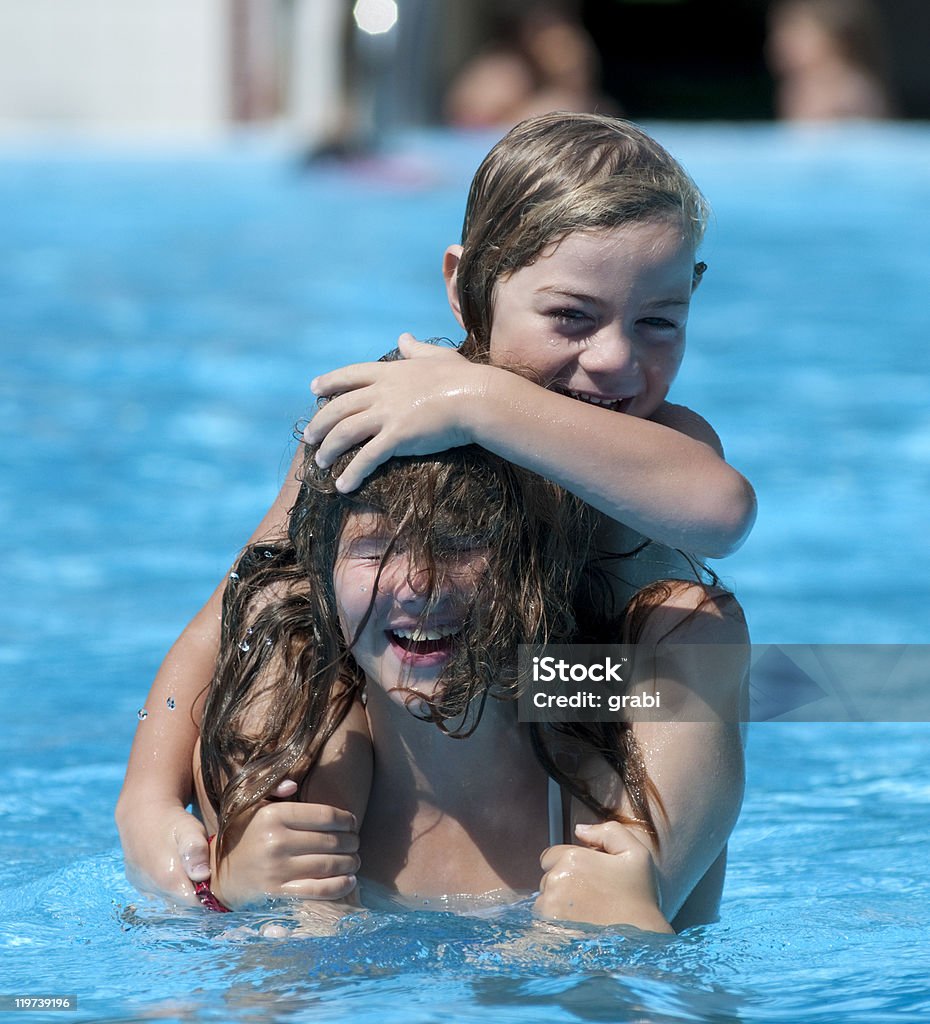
{"x": 437, "y": 633}
{"x": 607, "y": 403}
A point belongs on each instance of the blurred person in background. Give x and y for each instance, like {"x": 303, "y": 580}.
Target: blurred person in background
{"x": 828, "y": 58}
{"x": 540, "y": 59}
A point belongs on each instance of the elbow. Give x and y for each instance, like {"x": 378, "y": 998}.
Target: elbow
{"x": 733, "y": 515}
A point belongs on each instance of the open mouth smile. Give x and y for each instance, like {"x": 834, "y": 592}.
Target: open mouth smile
{"x": 424, "y": 646}
{"x": 602, "y": 402}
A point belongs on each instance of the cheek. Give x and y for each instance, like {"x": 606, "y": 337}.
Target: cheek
{"x": 664, "y": 364}
{"x": 353, "y": 590}
{"x": 529, "y": 346}
{"x": 343, "y": 612}
{"x": 467, "y": 577}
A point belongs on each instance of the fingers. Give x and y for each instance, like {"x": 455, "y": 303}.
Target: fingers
{"x": 346, "y": 405}
{"x": 284, "y": 789}
{"x": 346, "y": 378}
{"x": 335, "y": 888}
{"x": 348, "y": 427}
{"x": 301, "y": 817}
{"x": 319, "y": 866}
{"x": 551, "y": 856}
{"x": 345, "y": 435}
{"x": 321, "y": 878}
{"x": 372, "y": 455}
{"x": 194, "y": 850}
{"x": 410, "y": 348}
{"x": 293, "y": 849}
{"x": 611, "y": 837}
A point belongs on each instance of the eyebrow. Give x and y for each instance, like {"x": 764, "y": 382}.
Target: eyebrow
{"x": 583, "y": 297}
{"x": 553, "y": 290}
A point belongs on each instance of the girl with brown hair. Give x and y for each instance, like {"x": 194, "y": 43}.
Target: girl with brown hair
{"x": 372, "y": 658}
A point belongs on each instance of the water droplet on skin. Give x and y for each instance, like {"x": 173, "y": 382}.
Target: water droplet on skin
{"x": 142, "y": 714}
{"x": 171, "y": 704}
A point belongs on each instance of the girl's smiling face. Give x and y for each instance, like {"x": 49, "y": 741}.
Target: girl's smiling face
{"x": 601, "y": 315}
{"x": 401, "y": 631}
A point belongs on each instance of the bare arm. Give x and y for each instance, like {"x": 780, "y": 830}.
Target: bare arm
{"x": 609, "y": 878}
{"x": 164, "y": 846}
{"x": 697, "y": 760}
{"x": 664, "y": 477}
{"x": 697, "y": 768}
{"x": 306, "y": 847}
{"x": 652, "y": 477}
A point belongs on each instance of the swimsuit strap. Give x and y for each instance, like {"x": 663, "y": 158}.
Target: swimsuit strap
{"x": 556, "y": 813}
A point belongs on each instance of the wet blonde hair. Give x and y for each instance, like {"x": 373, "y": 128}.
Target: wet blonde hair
{"x": 555, "y": 174}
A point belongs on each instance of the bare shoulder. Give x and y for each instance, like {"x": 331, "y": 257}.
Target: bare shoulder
{"x": 342, "y": 775}
{"x": 693, "y": 645}
{"x": 686, "y": 421}
{"x": 273, "y": 526}
{"x": 687, "y": 611}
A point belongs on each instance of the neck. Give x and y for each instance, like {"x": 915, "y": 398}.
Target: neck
{"x": 442, "y": 762}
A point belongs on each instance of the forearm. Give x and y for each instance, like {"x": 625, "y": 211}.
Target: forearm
{"x": 160, "y": 761}
{"x": 163, "y": 845}
{"x": 156, "y": 833}
{"x": 305, "y": 847}
{"x": 668, "y": 486}
{"x": 695, "y": 759}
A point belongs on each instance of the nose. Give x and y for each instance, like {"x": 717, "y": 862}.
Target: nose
{"x": 408, "y": 585}
{"x": 611, "y": 357}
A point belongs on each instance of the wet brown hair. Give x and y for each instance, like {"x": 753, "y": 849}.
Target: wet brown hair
{"x": 285, "y": 678}
{"x": 555, "y": 174}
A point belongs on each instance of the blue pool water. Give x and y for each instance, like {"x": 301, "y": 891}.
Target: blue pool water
{"x": 160, "y": 319}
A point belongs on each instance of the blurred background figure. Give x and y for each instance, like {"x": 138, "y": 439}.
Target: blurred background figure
{"x": 540, "y": 58}
{"x": 345, "y": 76}
{"x": 829, "y": 60}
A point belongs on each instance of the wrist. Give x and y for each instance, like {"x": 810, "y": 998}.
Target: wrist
{"x": 208, "y": 890}
{"x": 470, "y": 395}
{"x": 643, "y": 913}
{"x": 493, "y": 401}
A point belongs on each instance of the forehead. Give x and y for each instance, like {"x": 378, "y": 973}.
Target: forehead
{"x": 655, "y": 253}
{"x": 363, "y": 523}
{"x": 444, "y": 525}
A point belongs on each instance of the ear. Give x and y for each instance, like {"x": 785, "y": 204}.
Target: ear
{"x": 698, "y": 275}
{"x": 450, "y": 270}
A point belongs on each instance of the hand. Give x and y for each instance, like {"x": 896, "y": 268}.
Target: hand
{"x": 610, "y": 879}
{"x": 288, "y": 849}
{"x": 165, "y": 849}
{"x": 414, "y": 406}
